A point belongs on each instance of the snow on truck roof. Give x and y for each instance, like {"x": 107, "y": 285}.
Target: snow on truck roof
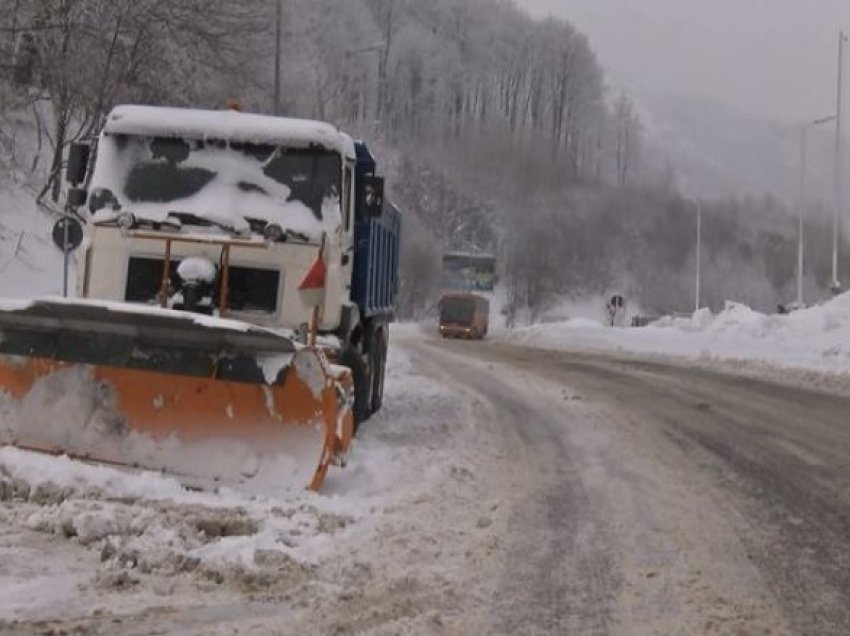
{"x": 226, "y": 125}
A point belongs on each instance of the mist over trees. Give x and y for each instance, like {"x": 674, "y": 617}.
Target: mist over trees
{"x": 497, "y": 132}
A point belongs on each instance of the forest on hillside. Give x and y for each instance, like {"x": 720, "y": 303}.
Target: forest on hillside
{"x": 497, "y": 132}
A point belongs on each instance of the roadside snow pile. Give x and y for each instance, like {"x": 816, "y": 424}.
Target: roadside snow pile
{"x": 30, "y": 265}
{"x": 816, "y": 339}
{"x": 131, "y": 514}
{"x": 543, "y": 330}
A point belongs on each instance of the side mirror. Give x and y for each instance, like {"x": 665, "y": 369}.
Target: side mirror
{"x": 78, "y": 162}
{"x": 77, "y": 197}
{"x": 371, "y": 196}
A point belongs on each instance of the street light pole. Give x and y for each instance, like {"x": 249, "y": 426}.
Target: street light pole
{"x": 801, "y": 199}
{"x": 699, "y": 255}
{"x": 801, "y": 204}
{"x": 698, "y": 283}
{"x": 838, "y": 168}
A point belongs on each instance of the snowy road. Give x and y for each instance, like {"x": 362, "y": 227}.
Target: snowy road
{"x": 502, "y": 491}
{"x": 663, "y": 499}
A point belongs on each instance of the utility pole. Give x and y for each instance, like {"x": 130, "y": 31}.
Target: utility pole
{"x": 801, "y": 204}
{"x": 698, "y": 282}
{"x": 277, "y": 56}
{"x": 838, "y": 167}
{"x": 801, "y": 198}
{"x": 66, "y": 252}
{"x": 699, "y": 255}
{"x": 383, "y": 65}
{"x": 14, "y": 35}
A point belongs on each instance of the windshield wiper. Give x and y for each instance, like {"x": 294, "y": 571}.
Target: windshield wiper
{"x": 187, "y": 218}
{"x": 191, "y": 219}
{"x": 259, "y": 226}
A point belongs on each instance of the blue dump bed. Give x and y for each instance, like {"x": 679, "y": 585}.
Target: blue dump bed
{"x": 376, "y": 252}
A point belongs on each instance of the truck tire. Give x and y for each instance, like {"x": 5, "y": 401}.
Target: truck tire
{"x": 362, "y": 385}
{"x": 379, "y": 370}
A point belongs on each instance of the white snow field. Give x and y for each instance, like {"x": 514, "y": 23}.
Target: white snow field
{"x": 30, "y": 265}
{"x": 815, "y": 339}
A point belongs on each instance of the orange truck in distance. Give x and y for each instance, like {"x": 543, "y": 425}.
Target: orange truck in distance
{"x": 464, "y": 315}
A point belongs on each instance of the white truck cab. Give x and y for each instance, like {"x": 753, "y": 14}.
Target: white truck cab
{"x": 270, "y": 195}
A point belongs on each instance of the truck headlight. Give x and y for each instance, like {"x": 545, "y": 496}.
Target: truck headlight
{"x": 125, "y": 220}
{"x": 273, "y": 232}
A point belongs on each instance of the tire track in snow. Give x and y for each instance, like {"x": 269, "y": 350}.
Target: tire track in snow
{"x": 558, "y": 576}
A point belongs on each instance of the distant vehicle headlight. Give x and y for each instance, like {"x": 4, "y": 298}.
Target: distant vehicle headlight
{"x": 273, "y": 232}
{"x": 125, "y": 220}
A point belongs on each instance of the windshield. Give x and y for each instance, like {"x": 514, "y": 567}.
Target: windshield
{"x": 224, "y": 183}
{"x": 457, "y": 310}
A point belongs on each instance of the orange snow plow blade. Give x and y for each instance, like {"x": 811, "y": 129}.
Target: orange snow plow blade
{"x": 212, "y": 405}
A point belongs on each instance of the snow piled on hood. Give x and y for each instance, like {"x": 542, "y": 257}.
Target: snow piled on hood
{"x": 230, "y": 125}
{"x": 222, "y": 201}
{"x": 202, "y": 320}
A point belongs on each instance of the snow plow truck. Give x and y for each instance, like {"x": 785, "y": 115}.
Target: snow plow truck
{"x": 235, "y": 284}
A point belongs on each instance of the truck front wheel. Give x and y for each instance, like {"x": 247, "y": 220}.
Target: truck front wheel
{"x": 379, "y": 370}
{"x": 362, "y": 385}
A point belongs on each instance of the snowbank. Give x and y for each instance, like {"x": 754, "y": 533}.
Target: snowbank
{"x": 30, "y": 265}
{"x": 816, "y": 339}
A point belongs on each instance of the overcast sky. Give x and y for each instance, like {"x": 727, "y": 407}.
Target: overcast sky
{"x": 770, "y": 57}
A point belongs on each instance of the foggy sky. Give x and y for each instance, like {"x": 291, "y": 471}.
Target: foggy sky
{"x": 775, "y": 58}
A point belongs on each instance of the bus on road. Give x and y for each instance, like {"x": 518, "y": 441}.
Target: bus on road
{"x": 464, "y": 315}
